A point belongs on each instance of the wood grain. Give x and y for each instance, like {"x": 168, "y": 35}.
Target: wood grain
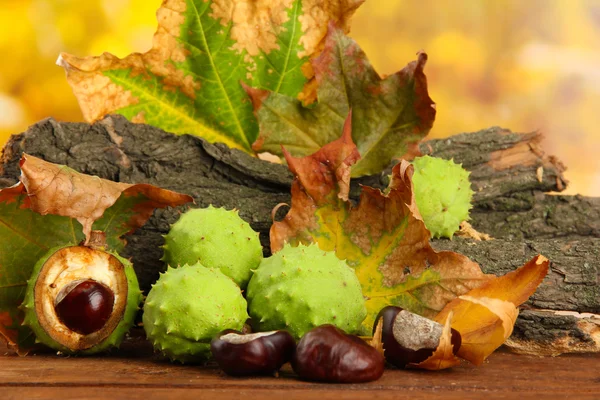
{"x": 136, "y": 373}
{"x": 505, "y": 375}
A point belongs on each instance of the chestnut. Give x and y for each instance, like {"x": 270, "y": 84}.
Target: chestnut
{"x": 409, "y": 338}
{"x": 85, "y": 306}
{"x": 261, "y": 353}
{"x": 328, "y": 354}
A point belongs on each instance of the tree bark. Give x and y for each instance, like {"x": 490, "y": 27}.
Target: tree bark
{"x": 509, "y": 174}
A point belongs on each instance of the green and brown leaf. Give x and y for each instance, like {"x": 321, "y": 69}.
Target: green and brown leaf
{"x": 383, "y": 238}
{"x": 25, "y": 236}
{"x": 389, "y": 115}
{"x": 52, "y": 206}
{"x": 189, "y": 82}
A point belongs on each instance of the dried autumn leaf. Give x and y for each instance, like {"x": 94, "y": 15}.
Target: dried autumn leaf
{"x": 389, "y": 115}
{"x": 189, "y": 82}
{"x": 383, "y": 238}
{"x": 485, "y": 316}
{"x": 60, "y": 190}
{"x": 42, "y": 212}
{"x": 443, "y": 357}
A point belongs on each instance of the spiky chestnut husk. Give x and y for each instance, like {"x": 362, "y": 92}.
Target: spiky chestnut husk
{"x": 443, "y": 194}
{"x": 216, "y": 238}
{"x": 299, "y": 288}
{"x": 62, "y": 268}
{"x": 187, "y": 307}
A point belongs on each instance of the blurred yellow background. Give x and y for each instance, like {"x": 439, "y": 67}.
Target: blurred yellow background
{"x": 523, "y": 65}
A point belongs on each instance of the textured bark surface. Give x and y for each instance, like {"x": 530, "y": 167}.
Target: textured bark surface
{"x": 563, "y": 316}
{"x": 509, "y": 173}
{"x": 121, "y": 151}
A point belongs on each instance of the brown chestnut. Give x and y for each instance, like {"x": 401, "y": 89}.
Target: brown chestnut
{"x": 328, "y": 354}
{"x": 259, "y": 353}
{"x": 409, "y": 338}
{"x": 85, "y": 306}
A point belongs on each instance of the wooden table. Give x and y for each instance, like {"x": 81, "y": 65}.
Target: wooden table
{"x": 135, "y": 374}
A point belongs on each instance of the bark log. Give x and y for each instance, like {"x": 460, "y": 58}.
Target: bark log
{"x": 509, "y": 173}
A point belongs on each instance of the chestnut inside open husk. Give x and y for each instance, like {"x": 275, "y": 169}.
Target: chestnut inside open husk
{"x": 260, "y": 353}
{"x": 85, "y": 307}
{"x": 81, "y": 299}
{"x": 328, "y": 354}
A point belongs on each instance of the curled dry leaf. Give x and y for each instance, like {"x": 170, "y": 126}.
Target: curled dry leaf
{"x": 485, "y": 316}
{"x": 189, "y": 81}
{"x": 64, "y": 197}
{"x": 383, "y": 238}
{"x": 443, "y": 357}
{"x": 60, "y": 190}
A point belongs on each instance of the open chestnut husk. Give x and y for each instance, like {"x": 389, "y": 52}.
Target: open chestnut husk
{"x": 81, "y": 299}
{"x": 408, "y": 338}
{"x": 261, "y": 353}
{"x": 328, "y": 354}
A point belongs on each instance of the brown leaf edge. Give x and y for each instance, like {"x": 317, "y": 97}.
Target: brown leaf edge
{"x": 59, "y": 190}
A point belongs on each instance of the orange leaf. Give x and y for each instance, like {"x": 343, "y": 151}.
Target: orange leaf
{"x": 485, "y": 316}
{"x": 443, "y": 357}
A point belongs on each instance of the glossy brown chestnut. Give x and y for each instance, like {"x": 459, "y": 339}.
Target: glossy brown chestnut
{"x": 86, "y": 307}
{"x": 409, "y": 338}
{"x": 259, "y": 353}
{"x": 328, "y": 354}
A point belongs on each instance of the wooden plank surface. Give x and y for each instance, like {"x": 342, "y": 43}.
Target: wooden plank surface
{"x": 138, "y": 375}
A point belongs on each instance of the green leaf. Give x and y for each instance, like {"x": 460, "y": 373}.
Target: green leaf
{"x": 174, "y": 112}
{"x": 280, "y": 71}
{"x": 116, "y": 220}
{"x": 388, "y": 115}
{"x": 26, "y": 236}
{"x": 190, "y": 81}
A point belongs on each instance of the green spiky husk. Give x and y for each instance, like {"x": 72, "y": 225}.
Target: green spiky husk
{"x": 217, "y": 238}
{"x": 299, "y": 288}
{"x": 134, "y": 298}
{"x": 443, "y": 194}
{"x": 187, "y": 307}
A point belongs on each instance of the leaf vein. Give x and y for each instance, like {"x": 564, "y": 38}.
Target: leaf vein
{"x": 220, "y": 83}
{"x": 21, "y": 234}
{"x": 289, "y": 50}
{"x": 301, "y": 132}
